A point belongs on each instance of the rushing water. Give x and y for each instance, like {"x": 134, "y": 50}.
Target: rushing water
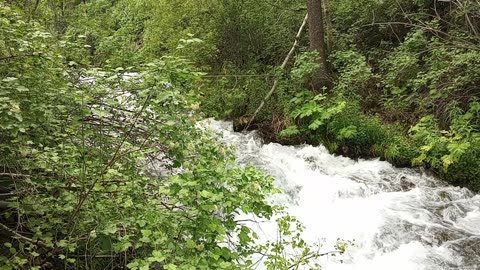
{"x": 398, "y": 218}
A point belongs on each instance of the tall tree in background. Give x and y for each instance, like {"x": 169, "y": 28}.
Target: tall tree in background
{"x": 316, "y": 33}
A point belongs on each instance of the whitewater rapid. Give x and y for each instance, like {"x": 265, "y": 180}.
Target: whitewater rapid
{"x": 399, "y": 219}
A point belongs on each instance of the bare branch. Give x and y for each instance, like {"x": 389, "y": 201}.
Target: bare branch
{"x": 109, "y": 164}
{"x": 15, "y": 175}
{"x": 313, "y": 255}
{"x": 19, "y": 236}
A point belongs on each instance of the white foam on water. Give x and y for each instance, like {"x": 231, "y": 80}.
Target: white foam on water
{"x": 398, "y": 218}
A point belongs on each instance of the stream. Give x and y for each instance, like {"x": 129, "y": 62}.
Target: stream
{"x": 400, "y": 219}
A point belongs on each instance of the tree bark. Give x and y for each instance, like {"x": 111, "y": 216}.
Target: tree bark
{"x": 316, "y": 33}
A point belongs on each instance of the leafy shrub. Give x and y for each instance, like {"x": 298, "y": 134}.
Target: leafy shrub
{"x": 354, "y": 72}
{"x": 337, "y": 123}
{"x": 312, "y": 113}
{"x": 453, "y": 149}
{"x": 111, "y": 170}
{"x": 397, "y": 148}
{"x": 356, "y": 134}
{"x": 304, "y": 66}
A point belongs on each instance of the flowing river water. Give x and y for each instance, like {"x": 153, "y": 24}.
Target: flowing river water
{"x": 398, "y": 218}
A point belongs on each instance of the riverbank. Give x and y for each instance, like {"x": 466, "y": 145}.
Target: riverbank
{"x": 375, "y": 139}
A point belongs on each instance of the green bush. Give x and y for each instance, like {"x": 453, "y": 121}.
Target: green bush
{"x": 356, "y": 134}
{"x": 337, "y": 123}
{"x": 116, "y": 173}
{"x": 452, "y": 153}
{"x": 398, "y": 148}
{"x": 466, "y": 171}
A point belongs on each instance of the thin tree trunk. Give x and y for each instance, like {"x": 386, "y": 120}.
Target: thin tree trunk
{"x": 328, "y": 25}
{"x": 282, "y": 67}
{"x": 316, "y": 33}
{"x": 34, "y": 10}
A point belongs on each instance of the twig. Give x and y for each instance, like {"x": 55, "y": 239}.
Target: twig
{"x": 19, "y": 236}
{"x": 467, "y": 18}
{"x": 237, "y": 75}
{"x": 8, "y": 194}
{"x": 313, "y": 255}
{"x": 15, "y": 175}
{"x": 462, "y": 43}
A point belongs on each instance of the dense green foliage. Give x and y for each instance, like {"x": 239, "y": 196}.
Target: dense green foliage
{"x": 405, "y": 88}
{"x": 413, "y": 74}
{"x": 99, "y": 144}
{"x": 107, "y": 168}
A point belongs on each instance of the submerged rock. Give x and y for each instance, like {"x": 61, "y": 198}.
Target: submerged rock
{"x": 405, "y": 184}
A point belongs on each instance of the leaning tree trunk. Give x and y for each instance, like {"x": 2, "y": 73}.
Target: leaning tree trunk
{"x": 328, "y": 25}
{"x": 316, "y": 33}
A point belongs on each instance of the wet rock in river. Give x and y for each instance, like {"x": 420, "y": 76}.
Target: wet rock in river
{"x": 405, "y": 184}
